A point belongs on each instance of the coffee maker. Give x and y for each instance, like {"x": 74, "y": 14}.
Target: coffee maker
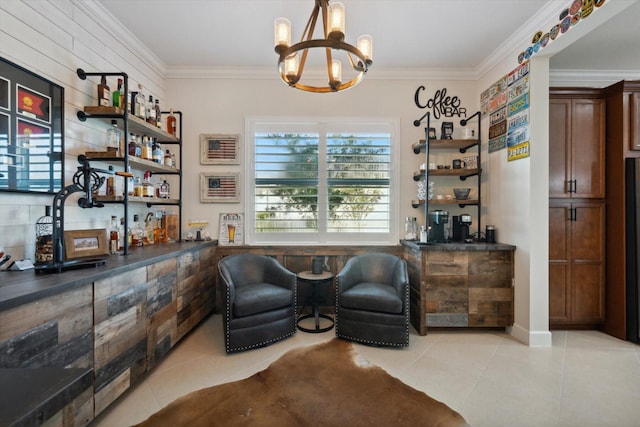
{"x": 437, "y": 224}
{"x": 461, "y": 224}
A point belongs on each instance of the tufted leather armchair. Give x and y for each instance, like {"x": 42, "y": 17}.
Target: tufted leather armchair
{"x": 260, "y": 301}
{"x": 372, "y": 301}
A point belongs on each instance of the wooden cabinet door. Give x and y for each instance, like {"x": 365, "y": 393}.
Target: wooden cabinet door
{"x": 576, "y": 262}
{"x": 634, "y": 120}
{"x": 588, "y": 261}
{"x": 559, "y": 262}
{"x": 587, "y": 148}
{"x": 559, "y": 146}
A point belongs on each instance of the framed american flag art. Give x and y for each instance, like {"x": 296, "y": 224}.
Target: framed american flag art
{"x": 216, "y": 149}
{"x": 219, "y": 187}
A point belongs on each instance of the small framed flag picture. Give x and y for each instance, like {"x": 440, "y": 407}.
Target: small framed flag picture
{"x": 216, "y": 149}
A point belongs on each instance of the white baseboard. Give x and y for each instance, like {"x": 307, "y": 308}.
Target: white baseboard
{"x": 530, "y": 338}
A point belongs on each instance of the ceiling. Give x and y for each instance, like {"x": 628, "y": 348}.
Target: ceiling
{"x": 407, "y": 34}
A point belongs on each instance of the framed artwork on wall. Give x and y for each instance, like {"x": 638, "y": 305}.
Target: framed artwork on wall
{"x": 218, "y": 149}
{"x": 31, "y": 131}
{"x": 219, "y": 187}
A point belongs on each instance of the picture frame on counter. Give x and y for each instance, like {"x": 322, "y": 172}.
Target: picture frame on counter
{"x": 80, "y": 244}
{"x": 219, "y": 149}
{"x": 231, "y": 229}
{"x": 219, "y": 187}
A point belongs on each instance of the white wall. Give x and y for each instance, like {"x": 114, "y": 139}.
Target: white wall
{"x": 53, "y": 39}
{"x": 212, "y": 105}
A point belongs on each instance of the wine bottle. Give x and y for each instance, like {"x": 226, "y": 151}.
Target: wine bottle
{"x": 117, "y": 95}
{"x": 158, "y": 114}
{"x": 151, "y": 111}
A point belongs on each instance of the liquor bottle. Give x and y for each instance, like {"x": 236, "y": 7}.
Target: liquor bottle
{"x": 117, "y": 96}
{"x": 114, "y": 137}
{"x": 147, "y": 187}
{"x": 138, "y": 146}
{"x": 157, "y": 155}
{"x": 111, "y": 183}
{"x": 104, "y": 93}
{"x": 151, "y": 111}
{"x": 171, "y": 123}
{"x": 158, "y": 114}
{"x": 148, "y": 229}
{"x": 122, "y": 235}
{"x": 147, "y": 152}
{"x": 168, "y": 161}
{"x": 137, "y": 233}
{"x": 113, "y": 235}
{"x": 165, "y": 190}
{"x": 132, "y": 144}
{"x": 140, "y": 103}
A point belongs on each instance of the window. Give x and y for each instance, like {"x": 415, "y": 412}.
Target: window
{"x": 329, "y": 182}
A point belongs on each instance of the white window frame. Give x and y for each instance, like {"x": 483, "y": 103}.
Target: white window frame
{"x": 278, "y": 124}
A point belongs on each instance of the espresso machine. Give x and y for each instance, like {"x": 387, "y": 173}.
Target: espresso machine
{"x": 461, "y": 224}
{"x": 438, "y": 220}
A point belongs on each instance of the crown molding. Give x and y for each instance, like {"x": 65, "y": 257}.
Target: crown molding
{"x": 590, "y": 78}
{"x": 522, "y": 36}
{"x": 121, "y": 33}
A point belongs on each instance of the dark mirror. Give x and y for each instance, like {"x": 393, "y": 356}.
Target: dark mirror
{"x": 31, "y": 131}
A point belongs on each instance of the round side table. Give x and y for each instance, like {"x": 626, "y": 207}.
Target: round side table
{"x": 323, "y": 279}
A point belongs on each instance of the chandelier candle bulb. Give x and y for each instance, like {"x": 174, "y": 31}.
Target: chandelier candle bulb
{"x": 291, "y": 66}
{"x": 336, "y": 21}
{"x": 336, "y": 71}
{"x": 282, "y": 33}
{"x": 365, "y": 45}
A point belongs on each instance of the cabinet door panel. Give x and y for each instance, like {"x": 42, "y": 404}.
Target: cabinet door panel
{"x": 587, "y": 148}
{"x": 558, "y": 233}
{"x": 634, "y": 120}
{"x": 559, "y": 143}
{"x": 588, "y": 292}
{"x": 559, "y": 296}
{"x": 587, "y": 232}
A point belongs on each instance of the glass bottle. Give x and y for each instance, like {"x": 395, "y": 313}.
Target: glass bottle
{"x": 137, "y": 233}
{"x": 104, "y": 93}
{"x": 114, "y": 137}
{"x": 164, "y": 190}
{"x": 158, "y": 114}
{"x": 114, "y": 239}
{"x": 146, "y": 152}
{"x": 151, "y": 111}
{"x": 140, "y": 102}
{"x": 157, "y": 154}
{"x": 117, "y": 95}
{"x": 132, "y": 144}
{"x": 147, "y": 187}
{"x": 122, "y": 235}
{"x": 171, "y": 123}
{"x": 410, "y": 228}
{"x": 168, "y": 161}
{"x": 44, "y": 238}
{"x": 111, "y": 183}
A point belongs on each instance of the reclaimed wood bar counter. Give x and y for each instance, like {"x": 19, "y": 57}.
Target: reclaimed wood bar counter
{"x": 460, "y": 284}
{"x": 116, "y": 320}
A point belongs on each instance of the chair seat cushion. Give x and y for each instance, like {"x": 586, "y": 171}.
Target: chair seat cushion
{"x": 373, "y": 297}
{"x": 260, "y": 297}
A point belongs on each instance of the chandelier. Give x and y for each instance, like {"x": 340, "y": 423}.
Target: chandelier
{"x": 292, "y": 58}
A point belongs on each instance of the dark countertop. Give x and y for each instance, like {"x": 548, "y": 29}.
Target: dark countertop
{"x": 476, "y": 246}
{"x": 21, "y": 287}
{"x": 31, "y": 396}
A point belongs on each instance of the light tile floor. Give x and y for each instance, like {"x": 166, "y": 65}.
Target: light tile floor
{"x": 586, "y": 378}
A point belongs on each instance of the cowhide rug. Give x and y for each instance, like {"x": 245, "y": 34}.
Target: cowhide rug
{"x": 321, "y": 385}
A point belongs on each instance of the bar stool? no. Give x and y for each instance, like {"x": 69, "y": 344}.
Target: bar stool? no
{"x": 316, "y": 280}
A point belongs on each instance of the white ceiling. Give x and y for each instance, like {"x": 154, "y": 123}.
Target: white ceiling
{"x": 407, "y": 34}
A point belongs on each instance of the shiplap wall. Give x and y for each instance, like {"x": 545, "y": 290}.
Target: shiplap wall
{"x": 54, "y": 38}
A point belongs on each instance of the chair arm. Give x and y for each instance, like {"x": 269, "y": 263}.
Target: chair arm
{"x": 229, "y": 286}
{"x": 349, "y": 276}
{"x": 401, "y": 278}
